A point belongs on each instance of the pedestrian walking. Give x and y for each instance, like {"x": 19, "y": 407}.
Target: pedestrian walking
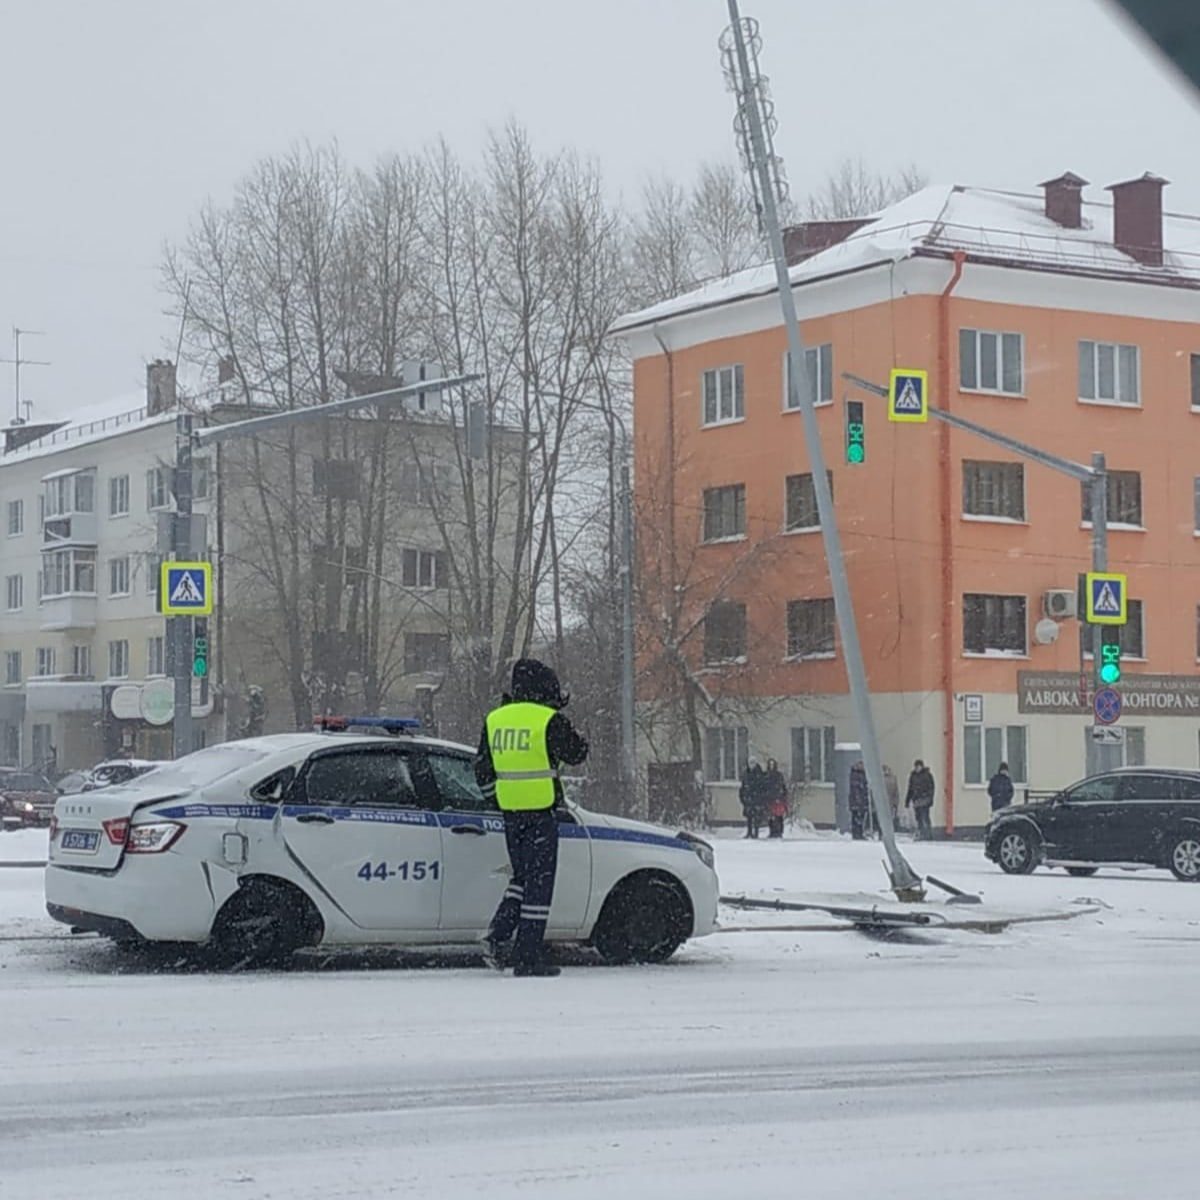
{"x": 524, "y": 741}
{"x": 775, "y": 793}
{"x": 1000, "y": 788}
{"x": 920, "y": 798}
{"x": 860, "y": 800}
{"x": 751, "y": 795}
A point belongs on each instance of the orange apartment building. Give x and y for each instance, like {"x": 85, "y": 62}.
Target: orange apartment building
{"x": 1071, "y": 324}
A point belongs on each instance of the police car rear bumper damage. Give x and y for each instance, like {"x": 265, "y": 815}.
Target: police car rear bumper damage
{"x": 87, "y": 922}
{"x": 131, "y": 898}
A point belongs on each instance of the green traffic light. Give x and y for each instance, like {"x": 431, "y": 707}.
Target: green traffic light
{"x": 1109, "y": 673}
{"x": 199, "y": 668}
{"x": 854, "y": 453}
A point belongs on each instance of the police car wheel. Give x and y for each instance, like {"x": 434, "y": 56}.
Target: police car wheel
{"x": 265, "y": 923}
{"x": 645, "y": 919}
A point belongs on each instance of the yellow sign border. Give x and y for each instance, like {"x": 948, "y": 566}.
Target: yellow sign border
{"x": 1111, "y": 577}
{"x": 204, "y": 569}
{"x": 906, "y": 373}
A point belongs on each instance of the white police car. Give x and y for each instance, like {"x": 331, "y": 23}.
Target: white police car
{"x": 270, "y": 844}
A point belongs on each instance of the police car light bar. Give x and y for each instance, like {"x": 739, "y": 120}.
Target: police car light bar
{"x": 389, "y": 724}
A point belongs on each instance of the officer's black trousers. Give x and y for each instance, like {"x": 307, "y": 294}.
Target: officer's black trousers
{"x": 532, "y": 839}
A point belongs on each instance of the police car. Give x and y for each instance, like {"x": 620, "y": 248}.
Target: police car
{"x": 266, "y": 845}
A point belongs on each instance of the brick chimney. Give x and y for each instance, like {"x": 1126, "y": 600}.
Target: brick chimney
{"x": 161, "y": 396}
{"x": 811, "y": 237}
{"x": 1064, "y": 200}
{"x": 1137, "y": 218}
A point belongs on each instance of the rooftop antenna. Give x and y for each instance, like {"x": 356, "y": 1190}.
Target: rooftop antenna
{"x": 18, "y": 362}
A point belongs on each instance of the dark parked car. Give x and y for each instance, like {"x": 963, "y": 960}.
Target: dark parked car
{"x": 26, "y": 798}
{"x": 1143, "y": 815}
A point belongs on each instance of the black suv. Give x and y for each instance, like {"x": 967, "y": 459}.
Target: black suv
{"x": 1138, "y": 815}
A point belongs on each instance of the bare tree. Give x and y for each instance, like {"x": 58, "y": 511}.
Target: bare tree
{"x": 852, "y": 189}
{"x": 723, "y": 220}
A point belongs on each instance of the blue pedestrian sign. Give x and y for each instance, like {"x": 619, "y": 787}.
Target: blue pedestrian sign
{"x": 908, "y": 395}
{"x": 1107, "y": 705}
{"x": 185, "y": 589}
{"x": 1106, "y": 598}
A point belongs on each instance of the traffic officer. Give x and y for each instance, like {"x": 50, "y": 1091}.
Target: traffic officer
{"x": 523, "y": 742}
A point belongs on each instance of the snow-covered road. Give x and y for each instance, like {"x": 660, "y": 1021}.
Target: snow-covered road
{"x": 1058, "y": 1060}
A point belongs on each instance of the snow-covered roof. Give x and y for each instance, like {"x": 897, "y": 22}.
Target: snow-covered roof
{"x": 989, "y": 226}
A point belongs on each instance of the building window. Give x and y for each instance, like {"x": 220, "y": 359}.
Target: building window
{"x": 985, "y": 747}
{"x": 1134, "y": 749}
{"x": 424, "y": 484}
{"x": 157, "y": 492}
{"x": 425, "y": 652}
{"x": 74, "y": 493}
{"x": 1124, "y": 491}
{"x": 336, "y": 478}
{"x": 812, "y": 753}
{"x": 725, "y": 632}
{"x": 45, "y": 663}
{"x": 423, "y": 569}
{"x": 818, "y": 362}
{"x": 200, "y": 477}
{"x": 81, "y": 661}
{"x": 724, "y": 512}
{"x": 16, "y": 518}
{"x": 12, "y": 667}
{"x": 118, "y": 659}
{"x": 156, "y": 655}
{"x": 118, "y": 496}
{"x": 994, "y": 489}
{"x": 1108, "y": 373}
{"x": 1196, "y": 380}
{"x": 14, "y": 592}
{"x": 69, "y": 572}
{"x": 993, "y": 624}
{"x": 991, "y": 362}
{"x": 118, "y": 576}
{"x": 1133, "y": 632}
{"x": 800, "y": 502}
{"x": 153, "y": 572}
{"x": 810, "y": 628}
{"x": 724, "y": 395}
{"x": 726, "y": 751}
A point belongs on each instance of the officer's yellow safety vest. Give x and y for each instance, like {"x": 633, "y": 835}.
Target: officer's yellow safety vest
{"x": 524, "y": 776}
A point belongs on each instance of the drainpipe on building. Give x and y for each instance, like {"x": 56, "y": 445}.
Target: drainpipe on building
{"x": 670, "y": 444}
{"x": 945, "y": 495}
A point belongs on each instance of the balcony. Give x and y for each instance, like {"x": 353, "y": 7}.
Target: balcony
{"x": 75, "y": 610}
{"x": 70, "y": 529}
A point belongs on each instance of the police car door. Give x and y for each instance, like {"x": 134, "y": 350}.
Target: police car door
{"x": 476, "y": 856}
{"x": 357, "y": 829}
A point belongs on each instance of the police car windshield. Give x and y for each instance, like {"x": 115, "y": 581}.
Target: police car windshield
{"x": 199, "y": 769}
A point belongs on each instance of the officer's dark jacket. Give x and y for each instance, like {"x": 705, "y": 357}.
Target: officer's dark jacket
{"x": 535, "y": 683}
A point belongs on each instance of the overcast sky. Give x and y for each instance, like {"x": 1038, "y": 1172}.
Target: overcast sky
{"x": 121, "y": 118}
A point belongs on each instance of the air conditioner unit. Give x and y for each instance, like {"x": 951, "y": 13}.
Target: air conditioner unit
{"x": 1060, "y": 603}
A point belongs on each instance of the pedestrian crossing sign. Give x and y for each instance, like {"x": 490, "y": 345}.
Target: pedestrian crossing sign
{"x": 185, "y": 589}
{"x": 1107, "y": 598}
{"x": 908, "y": 395}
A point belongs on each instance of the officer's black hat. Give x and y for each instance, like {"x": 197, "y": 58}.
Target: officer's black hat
{"x": 536, "y": 683}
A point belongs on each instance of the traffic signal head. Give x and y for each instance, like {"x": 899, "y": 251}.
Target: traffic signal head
{"x": 856, "y": 433}
{"x": 1110, "y": 654}
{"x": 200, "y": 649}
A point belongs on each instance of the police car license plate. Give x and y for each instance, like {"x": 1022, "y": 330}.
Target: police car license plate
{"x": 84, "y": 841}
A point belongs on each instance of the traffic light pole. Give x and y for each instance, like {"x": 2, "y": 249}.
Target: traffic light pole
{"x": 904, "y": 880}
{"x": 179, "y": 629}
